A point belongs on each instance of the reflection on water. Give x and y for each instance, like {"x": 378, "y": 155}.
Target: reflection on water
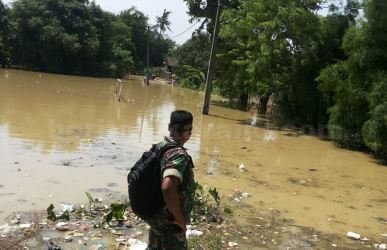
{"x": 61, "y": 136}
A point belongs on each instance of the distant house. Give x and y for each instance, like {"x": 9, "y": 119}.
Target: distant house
{"x": 171, "y": 61}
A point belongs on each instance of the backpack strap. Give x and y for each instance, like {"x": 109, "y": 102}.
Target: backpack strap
{"x": 168, "y": 146}
{"x": 171, "y": 145}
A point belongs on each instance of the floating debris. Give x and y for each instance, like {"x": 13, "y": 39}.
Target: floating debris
{"x": 245, "y": 195}
{"x": 269, "y": 136}
{"x": 232, "y": 244}
{"x": 137, "y": 244}
{"x": 68, "y": 238}
{"x": 193, "y": 233}
{"x": 67, "y": 207}
{"x": 62, "y": 226}
{"x": 52, "y": 246}
{"x": 242, "y": 168}
{"x": 353, "y": 235}
{"x": 83, "y": 228}
{"x": 78, "y": 234}
{"x": 25, "y": 226}
{"x": 98, "y": 246}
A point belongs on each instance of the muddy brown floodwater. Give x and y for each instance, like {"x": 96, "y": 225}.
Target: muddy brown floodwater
{"x": 61, "y": 136}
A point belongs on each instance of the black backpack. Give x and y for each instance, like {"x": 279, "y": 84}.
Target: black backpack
{"x": 144, "y": 182}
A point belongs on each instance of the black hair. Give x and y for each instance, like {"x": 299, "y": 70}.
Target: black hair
{"x": 179, "y": 119}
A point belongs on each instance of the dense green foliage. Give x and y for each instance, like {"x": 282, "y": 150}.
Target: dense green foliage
{"x": 162, "y": 22}
{"x": 321, "y": 70}
{"x": 193, "y": 61}
{"x": 78, "y": 37}
{"x": 206, "y": 10}
{"x": 359, "y": 84}
{"x": 4, "y": 38}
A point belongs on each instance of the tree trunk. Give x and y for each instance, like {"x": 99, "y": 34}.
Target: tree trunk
{"x": 244, "y": 100}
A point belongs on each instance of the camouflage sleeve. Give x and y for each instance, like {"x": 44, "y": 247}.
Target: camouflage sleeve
{"x": 175, "y": 164}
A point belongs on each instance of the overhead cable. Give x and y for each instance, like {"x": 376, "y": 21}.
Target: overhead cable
{"x": 186, "y": 30}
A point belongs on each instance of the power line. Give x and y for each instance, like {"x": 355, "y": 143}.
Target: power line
{"x": 185, "y": 30}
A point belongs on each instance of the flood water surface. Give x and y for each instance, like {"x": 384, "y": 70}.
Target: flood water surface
{"x": 62, "y": 136}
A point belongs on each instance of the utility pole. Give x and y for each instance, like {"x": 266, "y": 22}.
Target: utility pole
{"x": 211, "y": 67}
{"x": 147, "y": 60}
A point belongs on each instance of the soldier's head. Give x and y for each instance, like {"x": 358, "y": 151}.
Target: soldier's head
{"x": 180, "y": 126}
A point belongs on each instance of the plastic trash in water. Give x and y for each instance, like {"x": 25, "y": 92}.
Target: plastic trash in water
{"x": 232, "y": 244}
{"x": 193, "y": 233}
{"x": 4, "y": 229}
{"x": 353, "y": 235}
{"x": 245, "y": 195}
{"x": 242, "y": 168}
{"x": 269, "y": 136}
{"x": 254, "y": 121}
{"x": 25, "y": 226}
{"x": 137, "y": 244}
{"x": 67, "y": 207}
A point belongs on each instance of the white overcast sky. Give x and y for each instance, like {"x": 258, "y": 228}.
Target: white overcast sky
{"x": 179, "y": 17}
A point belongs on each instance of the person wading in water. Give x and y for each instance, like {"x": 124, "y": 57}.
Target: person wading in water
{"x": 168, "y": 226}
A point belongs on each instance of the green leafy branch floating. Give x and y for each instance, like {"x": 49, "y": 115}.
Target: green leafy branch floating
{"x": 117, "y": 211}
{"x": 91, "y": 199}
{"x": 52, "y": 216}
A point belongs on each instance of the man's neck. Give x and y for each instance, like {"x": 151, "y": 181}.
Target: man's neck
{"x": 176, "y": 140}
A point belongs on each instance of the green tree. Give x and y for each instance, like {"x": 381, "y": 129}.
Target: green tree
{"x": 77, "y": 37}
{"x": 194, "y": 52}
{"x": 359, "y": 114}
{"x": 138, "y": 24}
{"x": 206, "y": 10}
{"x": 122, "y": 47}
{"x": 192, "y": 58}
{"x": 49, "y": 38}
{"x": 4, "y": 36}
{"x": 162, "y": 22}
{"x": 264, "y": 42}
{"x": 158, "y": 45}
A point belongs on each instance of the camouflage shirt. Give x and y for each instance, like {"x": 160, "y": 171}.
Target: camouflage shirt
{"x": 176, "y": 162}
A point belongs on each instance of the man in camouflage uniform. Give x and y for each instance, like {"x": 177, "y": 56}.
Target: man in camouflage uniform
{"x": 168, "y": 226}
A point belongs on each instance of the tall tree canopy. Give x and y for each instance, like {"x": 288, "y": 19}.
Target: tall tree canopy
{"x": 206, "y": 10}
{"x": 5, "y": 45}
{"x": 193, "y": 58}
{"x": 162, "y": 22}
{"x": 321, "y": 70}
{"x": 78, "y": 37}
{"x": 359, "y": 84}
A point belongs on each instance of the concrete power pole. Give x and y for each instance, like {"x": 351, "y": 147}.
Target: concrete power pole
{"x": 211, "y": 67}
{"x": 147, "y": 60}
